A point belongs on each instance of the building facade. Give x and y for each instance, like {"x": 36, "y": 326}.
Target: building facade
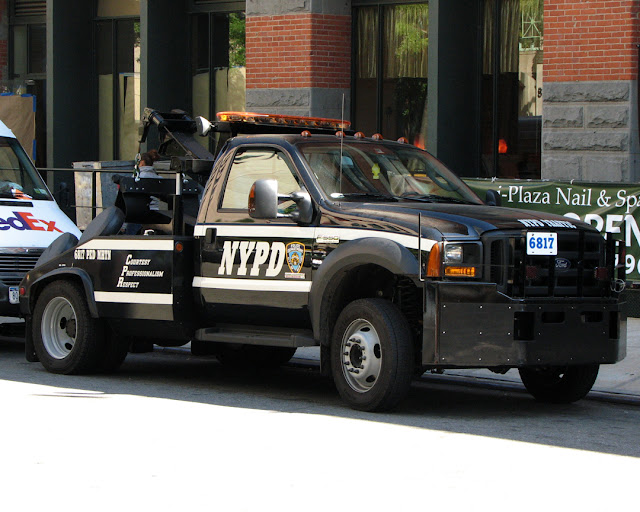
{"x": 494, "y": 88}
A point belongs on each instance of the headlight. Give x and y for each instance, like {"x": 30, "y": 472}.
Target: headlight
{"x": 453, "y": 253}
{"x": 462, "y": 259}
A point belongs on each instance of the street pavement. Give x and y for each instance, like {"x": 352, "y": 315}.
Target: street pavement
{"x": 616, "y": 382}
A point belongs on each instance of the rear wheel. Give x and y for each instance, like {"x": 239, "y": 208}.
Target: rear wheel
{"x": 372, "y": 355}
{"x": 559, "y": 385}
{"x": 66, "y": 338}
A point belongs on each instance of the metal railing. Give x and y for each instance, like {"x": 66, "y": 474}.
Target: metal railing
{"x": 65, "y": 193}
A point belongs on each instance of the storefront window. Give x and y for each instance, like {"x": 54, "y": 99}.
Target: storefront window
{"x": 512, "y": 89}
{"x": 217, "y": 63}
{"x": 118, "y": 67}
{"x": 390, "y": 94}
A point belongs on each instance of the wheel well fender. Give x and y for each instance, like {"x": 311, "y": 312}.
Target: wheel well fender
{"x": 382, "y": 252}
{"x": 70, "y": 273}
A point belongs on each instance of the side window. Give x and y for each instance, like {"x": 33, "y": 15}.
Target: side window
{"x": 251, "y": 165}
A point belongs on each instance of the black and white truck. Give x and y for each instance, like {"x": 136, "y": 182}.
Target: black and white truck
{"x": 370, "y": 249}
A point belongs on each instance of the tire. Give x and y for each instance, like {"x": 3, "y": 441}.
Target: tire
{"x": 559, "y": 385}
{"x": 372, "y": 355}
{"x": 66, "y": 338}
{"x": 254, "y": 356}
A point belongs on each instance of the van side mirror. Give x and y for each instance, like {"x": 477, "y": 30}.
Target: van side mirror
{"x": 264, "y": 200}
{"x": 493, "y": 198}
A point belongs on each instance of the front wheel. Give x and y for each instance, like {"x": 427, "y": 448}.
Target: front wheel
{"x": 559, "y": 385}
{"x": 372, "y": 355}
{"x": 66, "y": 338}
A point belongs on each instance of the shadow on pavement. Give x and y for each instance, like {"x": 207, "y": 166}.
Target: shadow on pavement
{"x": 586, "y": 425}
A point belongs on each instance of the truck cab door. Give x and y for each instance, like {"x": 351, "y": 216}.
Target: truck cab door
{"x": 254, "y": 271}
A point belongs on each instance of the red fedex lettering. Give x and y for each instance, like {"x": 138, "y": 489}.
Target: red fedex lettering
{"x": 28, "y": 218}
{"x": 51, "y": 226}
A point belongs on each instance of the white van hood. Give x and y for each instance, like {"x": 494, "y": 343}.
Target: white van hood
{"x": 23, "y": 225}
{"x": 5, "y": 131}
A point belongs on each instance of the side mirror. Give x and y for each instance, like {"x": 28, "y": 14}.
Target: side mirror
{"x": 493, "y": 198}
{"x": 264, "y": 200}
{"x": 203, "y": 126}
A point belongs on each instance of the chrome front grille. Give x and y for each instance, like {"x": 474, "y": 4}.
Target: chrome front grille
{"x": 14, "y": 264}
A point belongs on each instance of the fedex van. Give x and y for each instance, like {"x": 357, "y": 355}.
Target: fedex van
{"x": 30, "y": 219}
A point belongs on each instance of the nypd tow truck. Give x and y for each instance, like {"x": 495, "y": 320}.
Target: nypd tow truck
{"x": 308, "y": 234}
{"x": 30, "y": 220}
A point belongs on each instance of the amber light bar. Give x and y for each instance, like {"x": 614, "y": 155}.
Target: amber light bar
{"x": 278, "y": 119}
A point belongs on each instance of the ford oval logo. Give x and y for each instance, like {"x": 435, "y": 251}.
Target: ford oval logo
{"x": 562, "y": 263}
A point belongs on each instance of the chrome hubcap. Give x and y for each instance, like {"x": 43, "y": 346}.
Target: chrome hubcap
{"x": 361, "y": 356}
{"x": 59, "y": 328}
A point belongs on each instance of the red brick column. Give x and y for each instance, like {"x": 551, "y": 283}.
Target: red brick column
{"x": 590, "y": 90}
{"x": 591, "y": 40}
{"x": 4, "y": 43}
{"x": 295, "y": 56}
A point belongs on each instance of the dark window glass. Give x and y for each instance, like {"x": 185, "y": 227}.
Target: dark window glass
{"x": 396, "y": 102}
{"x": 37, "y": 49}
{"x": 118, "y": 87}
{"x": 511, "y": 88}
{"x": 218, "y": 78}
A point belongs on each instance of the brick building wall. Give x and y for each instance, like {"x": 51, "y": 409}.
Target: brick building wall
{"x": 298, "y": 56}
{"x": 590, "y": 116}
{"x": 4, "y": 40}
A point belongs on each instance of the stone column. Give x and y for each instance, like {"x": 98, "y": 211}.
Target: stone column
{"x": 590, "y": 112}
{"x": 299, "y": 57}
{"x": 590, "y": 131}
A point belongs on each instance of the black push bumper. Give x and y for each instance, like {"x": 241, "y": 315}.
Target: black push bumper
{"x": 472, "y": 325}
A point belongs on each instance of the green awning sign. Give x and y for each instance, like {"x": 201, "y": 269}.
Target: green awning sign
{"x": 611, "y": 208}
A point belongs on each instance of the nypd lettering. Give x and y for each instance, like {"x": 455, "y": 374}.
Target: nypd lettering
{"x": 24, "y": 221}
{"x": 535, "y": 223}
{"x": 268, "y": 258}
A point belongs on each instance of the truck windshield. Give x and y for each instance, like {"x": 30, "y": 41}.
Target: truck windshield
{"x": 19, "y": 179}
{"x": 357, "y": 170}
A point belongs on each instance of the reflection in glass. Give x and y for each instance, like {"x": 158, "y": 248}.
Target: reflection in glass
{"x": 385, "y": 172}
{"x": 395, "y": 105}
{"x": 404, "y": 90}
{"x": 218, "y": 75}
{"x": 104, "y": 63}
{"x": 128, "y": 51}
{"x": 511, "y": 128}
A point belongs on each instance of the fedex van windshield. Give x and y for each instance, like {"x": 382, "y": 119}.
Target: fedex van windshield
{"x": 19, "y": 179}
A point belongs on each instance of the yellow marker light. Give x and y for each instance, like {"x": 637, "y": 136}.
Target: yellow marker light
{"x": 460, "y": 271}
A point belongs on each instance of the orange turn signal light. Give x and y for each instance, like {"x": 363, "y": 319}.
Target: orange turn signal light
{"x": 460, "y": 271}
{"x": 434, "y": 263}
